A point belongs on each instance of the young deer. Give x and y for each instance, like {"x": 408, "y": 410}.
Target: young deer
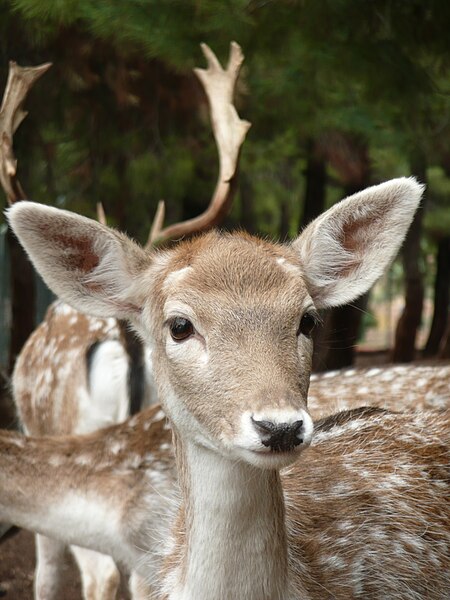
{"x": 364, "y": 513}
{"x": 77, "y": 372}
{"x": 73, "y": 377}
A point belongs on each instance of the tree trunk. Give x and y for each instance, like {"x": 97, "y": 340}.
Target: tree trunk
{"x": 441, "y": 298}
{"x": 337, "y": 343}
{"x": 314, "y": 202}
{"x": 23, "y": 298}
{"x": 444, "y": 350}
{"x": 409, "y": 322}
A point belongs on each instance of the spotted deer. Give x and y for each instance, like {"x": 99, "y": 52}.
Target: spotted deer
{"x": 393, "y": 387}
{"x": 78, "y": 372}
{"x": 264, "y": 509}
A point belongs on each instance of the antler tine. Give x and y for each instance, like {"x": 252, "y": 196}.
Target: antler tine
{"x": 157, "y": 224}
{"x": 229, "y": 132}
{"x": 20, "y": 81}
{"x": 101, "y": 216}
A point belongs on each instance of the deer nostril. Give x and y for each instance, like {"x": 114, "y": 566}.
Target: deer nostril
{"x": 279, "y": 437}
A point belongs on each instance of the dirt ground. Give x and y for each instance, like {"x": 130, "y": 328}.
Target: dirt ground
{"x": 17, "y": 556}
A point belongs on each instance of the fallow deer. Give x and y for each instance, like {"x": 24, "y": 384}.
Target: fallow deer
{"x": 360, "y": 510}
{"x": 73, "y": 374}
{"x": 393, "y": 387}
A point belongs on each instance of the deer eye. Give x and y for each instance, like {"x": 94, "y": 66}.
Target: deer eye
{"x": 180, "y": 329}
{"x": 307, "y": 324}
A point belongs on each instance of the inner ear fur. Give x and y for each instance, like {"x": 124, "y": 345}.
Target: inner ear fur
{"x": 345, "y": 250}
{"x": 87, "y": 264}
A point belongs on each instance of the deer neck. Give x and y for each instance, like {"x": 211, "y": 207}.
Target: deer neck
{"x": 235, "y": 539}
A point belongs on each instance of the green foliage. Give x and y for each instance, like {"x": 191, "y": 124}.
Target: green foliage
{"x": 120, "y": 117}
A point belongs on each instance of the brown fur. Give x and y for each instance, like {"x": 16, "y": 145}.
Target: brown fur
{"x": 43, "y": 386}
{"x": 373, "y": 484}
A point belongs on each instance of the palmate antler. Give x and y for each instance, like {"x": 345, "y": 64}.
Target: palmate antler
{"x": 229, "y": 132}
{"x": 20, "y": 81}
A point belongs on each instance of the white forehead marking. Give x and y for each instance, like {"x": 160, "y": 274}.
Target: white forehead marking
{"x": 176, "y": 277}
{"x": 289, "y": 267}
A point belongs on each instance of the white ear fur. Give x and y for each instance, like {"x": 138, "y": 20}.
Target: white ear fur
{"x": 90, "y": 266}
{"x": 345, "y": 250}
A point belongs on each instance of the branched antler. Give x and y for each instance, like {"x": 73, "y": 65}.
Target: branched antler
{"x": 229, "y": 132}
{"x": 20, "y": 81}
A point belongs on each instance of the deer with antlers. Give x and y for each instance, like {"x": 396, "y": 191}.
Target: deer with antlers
{"x": 265, "y": 509}
{"x": 78, "y": 373}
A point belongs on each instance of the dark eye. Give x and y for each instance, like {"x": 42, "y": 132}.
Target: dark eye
{"x": 181, "y": 329}
{"x": 307, "y": 324}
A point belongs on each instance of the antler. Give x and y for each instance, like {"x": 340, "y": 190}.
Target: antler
{"x": 20, "y": 81}
{"x": 229, "y": 132}
{"x": 101, "y": 215}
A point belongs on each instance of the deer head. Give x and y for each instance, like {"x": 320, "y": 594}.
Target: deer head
{"x": 228, "y": 316}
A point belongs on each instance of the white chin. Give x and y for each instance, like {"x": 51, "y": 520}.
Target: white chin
{"x": 268, "y": 460}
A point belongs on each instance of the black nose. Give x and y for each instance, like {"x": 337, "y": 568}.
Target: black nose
{"x": 279, "y": 437}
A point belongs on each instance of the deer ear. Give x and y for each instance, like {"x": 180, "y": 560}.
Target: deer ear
{"x": 345, "y": 250}
{"x": 90, "y": 266}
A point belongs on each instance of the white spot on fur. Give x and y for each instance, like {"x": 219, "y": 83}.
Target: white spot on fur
{"x": 176, "y": 277}
{"x": 362, "y": 390}
{"x": 388, "y": 375}
{"x": 19, "y": 442}
{"x": 55, "y": 460}
{"x": 373, "y": 372}
{"x": 288, "y": 267}
{"x": 83, "y": 459}
{"x": 61, "y": 308}
{"x": 133, "y": 421}
{"x": 159, "y": 416}
{"x": 330, "y": 374}
{"x": 116, "y": 447}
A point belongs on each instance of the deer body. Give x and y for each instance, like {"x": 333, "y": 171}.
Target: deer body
{"x": 352, "y": 528}
{"x": 108, "y": 490}
{"x": 72, "y": 377}
{"x": 228, "y": 318}
{"x": 393, "y": 387}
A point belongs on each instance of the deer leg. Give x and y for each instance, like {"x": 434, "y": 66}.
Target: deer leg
{"x": 99, "y": 575}
{"x": 139, "y": 589}
{"x": 50, "y": 557}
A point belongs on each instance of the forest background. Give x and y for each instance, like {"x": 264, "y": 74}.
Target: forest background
{"x": 342, "y": 94}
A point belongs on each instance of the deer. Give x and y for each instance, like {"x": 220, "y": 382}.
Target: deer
{"x": 61, "y": 323}
{"x": 77, "y": 372}
{"x": 399, "y": 387}
{"x": 268, "y": 505}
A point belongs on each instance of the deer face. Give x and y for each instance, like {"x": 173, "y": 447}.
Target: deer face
{"x": 233, "y": 347}
{"x": 228, "y": 317}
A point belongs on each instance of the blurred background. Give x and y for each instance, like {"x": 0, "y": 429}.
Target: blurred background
{"x": 342, "y": 94}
